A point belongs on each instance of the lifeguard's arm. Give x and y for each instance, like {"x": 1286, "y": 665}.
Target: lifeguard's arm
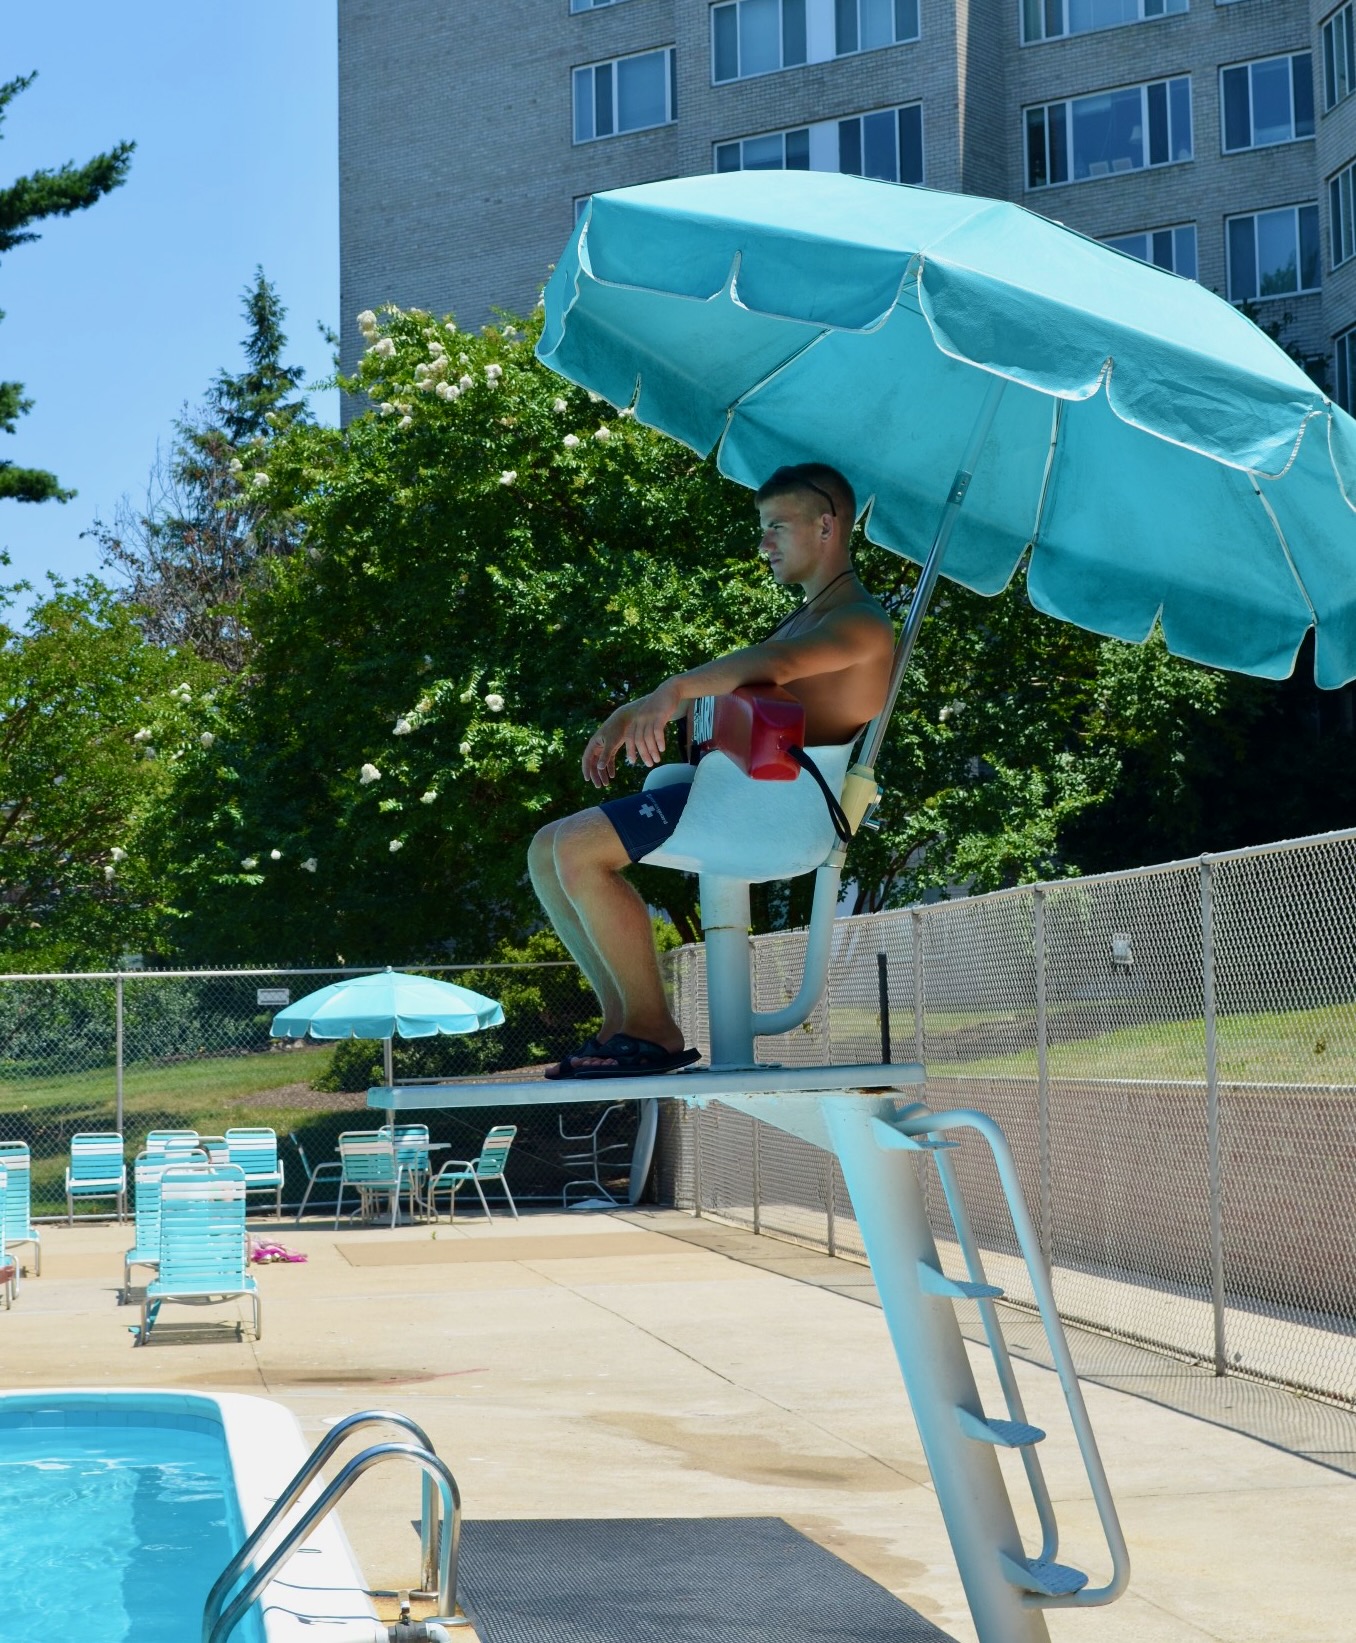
{"x": 844, "y": 637}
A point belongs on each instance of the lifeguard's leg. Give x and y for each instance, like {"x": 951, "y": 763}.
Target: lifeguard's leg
{"x": 541, "y": 863}
{"x": 589, "y": 858}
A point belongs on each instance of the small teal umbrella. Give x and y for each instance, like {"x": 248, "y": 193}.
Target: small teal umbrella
{"x": 993, "y": 384}
{"x": 388, "y": 1004}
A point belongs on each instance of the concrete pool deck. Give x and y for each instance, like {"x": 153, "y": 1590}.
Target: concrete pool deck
{"x": 648, "y": 1365}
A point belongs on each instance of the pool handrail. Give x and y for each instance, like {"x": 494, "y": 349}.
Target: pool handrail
{"x": 306, "y": 1474}
{"x": 429, "y": 1464}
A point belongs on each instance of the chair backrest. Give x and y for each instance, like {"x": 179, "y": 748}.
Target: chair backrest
{"x": 495, "y": 1150}
{"x": 411, "y": 1144}
{"x": 368, "y": 1158}
{"x": 216, "y": 1148}
{"x": 147, "y": 1170}
{"x": 171, "y": 1140}
{"x": 4, "y": 1181}
{"x": 202, "y": 1226}
{"x": 254, "y": 1149}
{"x": 15, "y": 1158}
{"x": 96, "y": 1155}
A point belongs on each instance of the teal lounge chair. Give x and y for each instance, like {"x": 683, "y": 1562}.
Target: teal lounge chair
{"x": 146, "y": 1173}
{"x": 456, "y": 1172}
{"x": 9, "y": 1267}
{"x": 204, "y": 1250}
{"x": 97, "y": 1170}
{"x": 255, "y": 1150}
{"x": 369, "y": 1164}
{"x": 19, "y": 1228}
{"x": 171, "y": 1141}
{"x": 412, "y": 1153}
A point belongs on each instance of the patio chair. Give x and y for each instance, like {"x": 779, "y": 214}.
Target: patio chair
{"x": 203, "y": 1245}
{"x": 369, "y": 1164}
{"x": 331, "y": 1168}
{"x": 216, "y": 1149}
{"x": 171, "y": 1140}
{"x": 9, "y": 1267}
{"x": 97, "y": 1170}
{"x": 412, "y": 1151}
{"x": 456, "y": 1172}
{"x": 590, "y": 1160}
{"x": 147, "y": 1169}
{"x": 19, "y": 1228}
{"x": 255, "y": 1149}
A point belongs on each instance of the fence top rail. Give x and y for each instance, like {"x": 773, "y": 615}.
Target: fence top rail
{"x": 318, "y": 970}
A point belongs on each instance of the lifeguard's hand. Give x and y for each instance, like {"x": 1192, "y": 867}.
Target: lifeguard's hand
{"x": 639, "y": 727}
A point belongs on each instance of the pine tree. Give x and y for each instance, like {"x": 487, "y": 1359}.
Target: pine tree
{"x": 28, "y": 200}
{"x": 188, "y": 556}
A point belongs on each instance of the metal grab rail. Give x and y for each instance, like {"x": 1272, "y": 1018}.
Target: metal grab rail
{"x": 931, "y": 1123}
{"x": 447, "y": 1562}
{"x": 309, "y": 1470}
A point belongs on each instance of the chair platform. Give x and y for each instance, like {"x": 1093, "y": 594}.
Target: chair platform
{"x": 695, "y": 1086}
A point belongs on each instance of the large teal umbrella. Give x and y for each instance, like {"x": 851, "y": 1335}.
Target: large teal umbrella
{"x": 1160, "y": 458}
{"x": 387, "y": 1004}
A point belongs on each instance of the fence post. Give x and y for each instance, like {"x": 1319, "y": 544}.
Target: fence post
{"x": 1043, "y": 1079}
{"x": 830, "y": 1228}
{"x": 1212, "y": 1140}
{"x": 117, "y": 1047}
{"x": 883, "y": 992}
{"x": 916, "y": 920}
{"x": 697, "y": 1114}
{"x": 757, "y": 1177}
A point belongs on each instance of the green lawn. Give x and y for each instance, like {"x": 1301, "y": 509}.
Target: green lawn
{"x": 198, "y": 1085}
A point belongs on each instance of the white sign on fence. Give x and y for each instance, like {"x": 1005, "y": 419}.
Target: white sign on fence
{"x": 274, "y": 996}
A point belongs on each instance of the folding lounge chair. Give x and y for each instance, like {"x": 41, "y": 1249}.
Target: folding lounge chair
{"x": 146, "y": 1173}
{"x": 19, "y": 1228}
{"x": 255, "y": 1150}
{"x": 369, "y": 1164}
{"x": 97, "y": 1170}
{"x": 456, "y": 1172}
{"x": 9, "y": 1267}
{"x": 203, "y": 1244}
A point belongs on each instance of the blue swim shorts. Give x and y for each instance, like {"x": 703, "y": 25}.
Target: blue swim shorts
{"x": 644, "y": 820}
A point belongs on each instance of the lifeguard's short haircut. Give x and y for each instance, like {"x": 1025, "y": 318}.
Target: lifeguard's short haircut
{"x": 819, "y": 478}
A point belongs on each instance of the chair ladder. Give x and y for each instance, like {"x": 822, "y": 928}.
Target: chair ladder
{"x": 1046, "y": 1582}
{"x": 439, "y": 1530}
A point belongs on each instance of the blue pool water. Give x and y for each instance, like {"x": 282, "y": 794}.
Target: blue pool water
{"x": 117, "y": 1512}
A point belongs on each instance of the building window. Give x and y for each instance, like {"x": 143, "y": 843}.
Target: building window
{"x": 1339, "y": 58}
{"x": 1342, "y": 215}
{"x": 1052, "y": 19}
{"x": 1097, "y": 136}
{"x": 887, "y": 144}
{"x": 1266, "y": 102}
{"x": 1345, "y": 348}
{"x": 627, "y": 94}
{"x": 590, "y": 5}
{"x": 1170, "y": 248}
{"x": 756, "y": 37}
{"x": 1273, "y": 253}
{"x": 863, "y": 25}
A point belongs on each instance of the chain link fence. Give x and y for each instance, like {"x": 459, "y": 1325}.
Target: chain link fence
{"x": 1172, "y": 1054}
{"x": 134, "y": 1051}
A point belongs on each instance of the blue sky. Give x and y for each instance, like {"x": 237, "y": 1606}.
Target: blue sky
{"x": 118, "y": 317}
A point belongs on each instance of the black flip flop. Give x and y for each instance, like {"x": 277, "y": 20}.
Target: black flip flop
{"x": 636, "y": 1058}
{"x": 565, "y": 1067}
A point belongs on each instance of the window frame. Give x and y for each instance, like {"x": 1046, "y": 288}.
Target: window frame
{"x": 760, "y": 137}
{"x": 757, "y": 74}
{"x": 1345, "y": 378}
{"x": 1043, "y": 6}
{"x": 1250, "y": 64}
{"x": 1342, "y": 214}
{"x": 1149, "y": 234}
{"x": 1328, "y": 43}
{"x": 1269, "y": 211}
{"x": 833, "y": 126}
{"x": 670, "y": 95}
{"x": 859, "y": 49}
{"x": 1067, "y": 104}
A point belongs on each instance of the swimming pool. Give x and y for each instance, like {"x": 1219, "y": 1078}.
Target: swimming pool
{"x": 118, "y": 1509}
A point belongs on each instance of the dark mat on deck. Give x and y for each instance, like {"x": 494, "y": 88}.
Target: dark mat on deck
{"x": 672, "y": 1580}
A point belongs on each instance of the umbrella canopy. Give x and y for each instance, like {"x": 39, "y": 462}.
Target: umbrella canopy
{"x": 1160, "y": 457}
{"x": 387, "y": 1005}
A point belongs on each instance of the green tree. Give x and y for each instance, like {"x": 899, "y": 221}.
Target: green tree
{"x": 26, "y": 201}
{"x": 187, "y": 557}
{"x": 92, "y": 723}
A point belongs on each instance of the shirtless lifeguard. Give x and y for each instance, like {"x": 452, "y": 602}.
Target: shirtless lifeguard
{"x": 833, "y": 653}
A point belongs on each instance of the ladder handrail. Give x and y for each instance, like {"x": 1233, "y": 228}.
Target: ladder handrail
{"x": 309, "y": 1469}
{"x": 928, "y": 1123}
{"x": 428, "y": 1462}
{"x": 1002, "y": 1358}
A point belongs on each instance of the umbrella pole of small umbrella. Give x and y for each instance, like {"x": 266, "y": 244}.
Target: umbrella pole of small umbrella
{"x": 388, "y": 1075}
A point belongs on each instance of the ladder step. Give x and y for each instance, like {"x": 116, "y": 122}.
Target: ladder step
{"x": 1006, "y": 1434}
{"x": 1049, "y": 1579}
{"x": 934, "y": 1282}
{"x": 888, "y": 1136}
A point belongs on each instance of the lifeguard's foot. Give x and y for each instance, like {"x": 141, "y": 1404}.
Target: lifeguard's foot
{"x": 565, "y": 1067}
{"x": 623, "y": 1056}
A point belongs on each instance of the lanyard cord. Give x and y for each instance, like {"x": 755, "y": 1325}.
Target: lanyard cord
{"x": 801, "y": 609}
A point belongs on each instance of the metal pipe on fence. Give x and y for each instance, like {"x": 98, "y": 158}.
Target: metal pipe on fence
{"x": 1042, "y": 1080}
{"x": 1214, "y": 1163}
{"x": 916, "y": 925}
{"x": 883, "y": 992}
{"x": 757, "y": 1178}
{"x": 117, "y": 1048}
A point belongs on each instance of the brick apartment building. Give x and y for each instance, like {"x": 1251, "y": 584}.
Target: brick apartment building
{"x": 1215, "y": 137}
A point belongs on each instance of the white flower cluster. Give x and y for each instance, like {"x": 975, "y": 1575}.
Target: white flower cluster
{"x": 423, "y": 705}
{"x": 429, "y": 797}
{"x": 181, "y": 693}
{"x": 602, "y": 434}
{"x": 464, "y": 749}
{"x": 508, "y": 476}
{"x": 275, "y": 855}
{"x": 447, "y": 390}
{"x": 367, "y": 324}
{"x": 207, "y": 738}
{"x": 559, "y": 407}
{"x": 309, "y": 865}
{"x": 368, "y": 774}
{"x": 493, "y": 373}
{"x": 235, "y": 465}
{"x": 570, "y": 441}
{"x": 383, "y": 348}
{"x": 117, "y": 853}
{"x": 402, "y": 727}
{"x": 249, "y": 863}
{"x": 260, "y": 480}
{"x": 396, "y": 844}
{"x": 494, "y": 702}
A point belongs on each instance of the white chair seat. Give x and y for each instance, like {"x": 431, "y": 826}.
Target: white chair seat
{"x": 740, "y": 828}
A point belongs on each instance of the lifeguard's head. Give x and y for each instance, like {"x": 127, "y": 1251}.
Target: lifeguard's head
{"x": 819, "y": 486}
{"x": 807, "y": 512}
